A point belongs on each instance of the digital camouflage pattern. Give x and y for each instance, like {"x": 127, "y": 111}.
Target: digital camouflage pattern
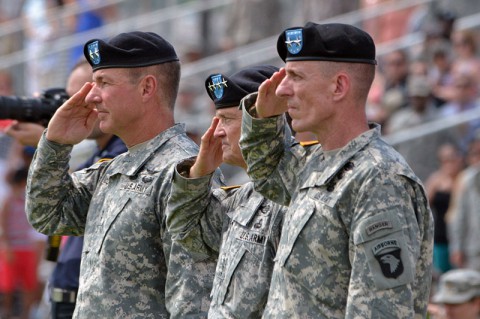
{"x": 119, "y": 207}
{"x": 357, "y": 239}
{"x": 238, "y": 225}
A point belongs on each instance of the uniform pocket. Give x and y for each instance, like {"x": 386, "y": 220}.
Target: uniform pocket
{"x": 226, "y": 282}
{"x": 300, "y": 254}
{"x": 108, "y": 221}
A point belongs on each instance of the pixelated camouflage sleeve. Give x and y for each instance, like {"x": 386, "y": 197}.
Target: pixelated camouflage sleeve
{"x": 266, "y": 145}
{"x": 390, "y": 249}
{"x": 194, "y": 214}
{"x": 53, "y": 195}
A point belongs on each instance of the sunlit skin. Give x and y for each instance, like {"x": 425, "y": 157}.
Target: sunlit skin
{"x": 116, "y": 100}
{"x": 301, "y": 87}
{"x": 132, "y": 110}
{"x": 220, "y": 143}
{"x": 324, "y": 106}
{"x": 228, "y": 130}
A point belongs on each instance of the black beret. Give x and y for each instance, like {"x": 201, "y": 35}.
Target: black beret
{"x": 229, "y": 91}
{"x": 129, "y": 50}
{"x": 326, "y": 42}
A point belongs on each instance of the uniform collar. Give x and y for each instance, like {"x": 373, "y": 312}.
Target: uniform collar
{"x": 330, "y": 166}
{"x": 136, "y": 157}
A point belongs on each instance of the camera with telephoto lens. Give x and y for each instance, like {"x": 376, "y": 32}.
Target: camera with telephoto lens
{"x": 36, "y": 110}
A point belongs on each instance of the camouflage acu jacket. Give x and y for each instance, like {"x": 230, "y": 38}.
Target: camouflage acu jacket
{"x": 358, "y": 234}
{"x": 130, "y": 266}
{"x": 237, "y": 224}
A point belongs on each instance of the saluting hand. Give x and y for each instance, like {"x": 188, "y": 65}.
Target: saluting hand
{"x": 74, "y": 120}
{"x": 268, "y": 103}
{"x": 210, "y": 154}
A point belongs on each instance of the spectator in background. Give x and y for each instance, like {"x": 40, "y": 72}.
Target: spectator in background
{"x": 439, "y": 187}
{"x": 440, "y": 75}
{"x": 458, "y": 296}
{"x": 465, "y": 54}
{"x": 389, "y": 25}
{"x": 18, "y": 254}
{"x": 247, "y": 22}
{"x": 464, "y": 97}
{"x": 420, "y": 110}
{"x": 463, "y": 218}
{"x": 41, "y": 25}
{"x": 394, "y": 70}
{"x": 92, "y": 14}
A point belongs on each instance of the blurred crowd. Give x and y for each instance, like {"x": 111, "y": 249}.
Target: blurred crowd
{"x": 420, "y": 84}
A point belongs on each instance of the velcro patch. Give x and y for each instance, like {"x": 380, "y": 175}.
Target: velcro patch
{"x": 252, "y": 237}
{"x": 388, "y": 255}
{"x": 376, "y": 226}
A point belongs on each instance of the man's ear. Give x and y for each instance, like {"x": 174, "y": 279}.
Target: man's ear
{"x": 341, "y": 86}
{"x": 148, "y": 86}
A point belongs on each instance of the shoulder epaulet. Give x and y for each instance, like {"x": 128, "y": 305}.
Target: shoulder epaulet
{"x": 104, "y": 160}
{"x": 308, "y": 143}
{"x": 227, "y": 188}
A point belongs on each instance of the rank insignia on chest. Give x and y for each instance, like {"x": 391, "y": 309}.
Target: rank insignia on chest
{"x": 388, "y": 255}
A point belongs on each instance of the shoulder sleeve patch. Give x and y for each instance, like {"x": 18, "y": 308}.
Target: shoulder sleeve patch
{"x": 308, "y": 143}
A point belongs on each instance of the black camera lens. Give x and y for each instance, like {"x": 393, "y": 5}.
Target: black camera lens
{"x": 38, "y": 110}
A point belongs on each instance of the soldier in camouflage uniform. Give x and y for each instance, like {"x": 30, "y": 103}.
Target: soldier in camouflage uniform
{"x": 130, "y": 266}
{"x": 457, "y": 296}
{"x": 235, "y": 223}
{"x": 357, "y": 238}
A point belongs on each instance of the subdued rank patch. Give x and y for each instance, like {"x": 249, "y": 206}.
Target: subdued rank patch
{"x": 252, "y": 237}
{"x": 294, "y": 40}
{"x": 388, "y": 255}
{"x": 374, "y": 227}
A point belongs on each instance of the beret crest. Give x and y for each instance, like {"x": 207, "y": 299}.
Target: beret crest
{"x": 326, "y": 42}
{"x": 129, "y": 50}
{"x": 229, "y": 91}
